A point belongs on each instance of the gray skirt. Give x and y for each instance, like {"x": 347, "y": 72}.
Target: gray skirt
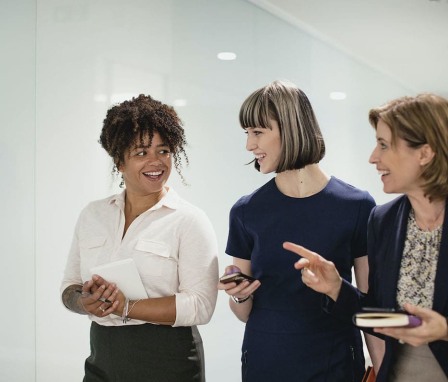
{"x": 144, "y": 353}
{"x": 416, "y": 364}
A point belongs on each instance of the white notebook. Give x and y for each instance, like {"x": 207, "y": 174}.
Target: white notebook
{"x": 124, "y": 273}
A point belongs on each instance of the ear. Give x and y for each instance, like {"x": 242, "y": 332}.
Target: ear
{"x": 426, "y": 154}
{"x": 119, "y": 167}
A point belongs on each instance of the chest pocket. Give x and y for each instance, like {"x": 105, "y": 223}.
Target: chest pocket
{"x": 153, "y": 258}
{"x": 92, "y": 242}
{"x": 91, "y": 251}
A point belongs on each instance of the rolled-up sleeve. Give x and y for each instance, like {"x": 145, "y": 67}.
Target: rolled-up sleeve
{"x": 72, "y": 274}
{"x": 198, "y": 272}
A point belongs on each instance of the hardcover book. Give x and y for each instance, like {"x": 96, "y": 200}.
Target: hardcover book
{"x": 382, "y": 319}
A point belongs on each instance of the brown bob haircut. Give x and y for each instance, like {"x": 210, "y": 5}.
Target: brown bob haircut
{"x": 301, "y": 138}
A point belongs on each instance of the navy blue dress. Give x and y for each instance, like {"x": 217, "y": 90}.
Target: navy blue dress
{"x": 288, "y": 336}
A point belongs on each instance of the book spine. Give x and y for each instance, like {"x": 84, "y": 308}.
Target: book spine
{"x": 414, "y": 321}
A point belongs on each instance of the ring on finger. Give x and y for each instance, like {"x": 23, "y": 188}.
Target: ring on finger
{"x": 102, "y": 309}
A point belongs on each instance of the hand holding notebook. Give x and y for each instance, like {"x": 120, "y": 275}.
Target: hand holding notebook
{"x": 125, "y": 275}
{"x": 384, "y": 318}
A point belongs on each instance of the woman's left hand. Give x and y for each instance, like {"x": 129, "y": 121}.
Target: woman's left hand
{"x": 95, "y": 290}
{"x": 240, "y": 290}
{"x": 433, "y": 328}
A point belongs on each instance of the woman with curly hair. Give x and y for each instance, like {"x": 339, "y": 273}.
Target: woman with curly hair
{"x": 171, "y": 242}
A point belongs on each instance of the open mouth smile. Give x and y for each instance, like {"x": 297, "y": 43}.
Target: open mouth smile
{"x": 153, "y": 175}
{"x": 260, "y": 157}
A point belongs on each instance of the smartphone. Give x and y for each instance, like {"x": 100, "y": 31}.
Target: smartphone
{"x": 237, "y": 277}
{"x": 380, "y": 310}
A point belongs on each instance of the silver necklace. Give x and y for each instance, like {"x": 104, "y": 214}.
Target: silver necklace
{"x": 430, "y": 239}
{"x": 433, "y": 226}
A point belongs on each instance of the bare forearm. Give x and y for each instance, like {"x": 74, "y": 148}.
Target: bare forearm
{"x": 156, "y": 310}
{"x": 71, "y": 299}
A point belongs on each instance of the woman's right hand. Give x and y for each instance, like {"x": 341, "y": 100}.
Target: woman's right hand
{"x": 93, "y": 290}
{"x": 241, "y": 290}
{"x": 318, "y": 273}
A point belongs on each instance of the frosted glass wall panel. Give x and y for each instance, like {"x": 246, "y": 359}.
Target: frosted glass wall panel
{"x": 91, "y": 54}
{"x": 17, "y": 168}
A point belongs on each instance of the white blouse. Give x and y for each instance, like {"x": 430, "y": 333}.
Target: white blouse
{"x": 173, "y": 245}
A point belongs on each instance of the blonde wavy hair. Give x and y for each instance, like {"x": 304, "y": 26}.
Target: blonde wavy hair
{"x": 421, "y": 120}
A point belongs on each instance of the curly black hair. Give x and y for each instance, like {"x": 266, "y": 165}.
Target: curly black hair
{"x": 128, "y": 123}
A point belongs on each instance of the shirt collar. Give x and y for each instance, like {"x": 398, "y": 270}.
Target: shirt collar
{"x": 170, "y": 200}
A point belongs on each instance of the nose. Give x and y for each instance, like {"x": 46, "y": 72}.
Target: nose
{"x": 374, "y": 156}
{"x": 250, "y": 143}
{"x": 153, "y": 157}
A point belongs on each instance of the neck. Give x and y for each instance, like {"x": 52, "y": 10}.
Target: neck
{"x": 136, "y": 204}
{"x": 302, "y": 183}
{"x": 428, "y": 215}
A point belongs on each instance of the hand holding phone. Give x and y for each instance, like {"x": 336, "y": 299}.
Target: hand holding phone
{"x": 237, "y": 277}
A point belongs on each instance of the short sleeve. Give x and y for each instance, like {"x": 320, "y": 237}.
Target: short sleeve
{"x": 359, "y": 242}
{"x": 239, "y": 241}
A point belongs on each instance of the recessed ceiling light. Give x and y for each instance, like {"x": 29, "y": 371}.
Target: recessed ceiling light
{"x": 337, "y": 96}
{"x": 180, "y": 102}
{"x": 227, "y": 56}
{"x": 100, "y": 98}
{"x": 120, "y": 97}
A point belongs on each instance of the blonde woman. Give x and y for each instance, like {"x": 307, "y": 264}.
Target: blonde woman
{"x": 408, "y": 241}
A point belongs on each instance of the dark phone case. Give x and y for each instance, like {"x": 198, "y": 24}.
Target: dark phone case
{"x": 236, "y": 277}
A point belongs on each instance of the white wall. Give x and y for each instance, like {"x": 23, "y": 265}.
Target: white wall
{"x": 17, "y": 164}
{"x": 65, "y": 62}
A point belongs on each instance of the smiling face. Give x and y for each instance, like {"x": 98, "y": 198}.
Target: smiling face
{"x": 399, "y": 165}
{"x": 147, "y": 167}
{"x": 265, "y": 144}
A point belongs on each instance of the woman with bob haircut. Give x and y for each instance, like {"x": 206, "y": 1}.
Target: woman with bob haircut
{"x": 287, "y": 336}
{"x": 407, "y": 241}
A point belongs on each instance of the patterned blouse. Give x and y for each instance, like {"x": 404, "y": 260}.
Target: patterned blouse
{"x": 418, "y": 265}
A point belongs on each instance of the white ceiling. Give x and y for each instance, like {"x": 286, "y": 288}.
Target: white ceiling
{"x": 406, "y": 39}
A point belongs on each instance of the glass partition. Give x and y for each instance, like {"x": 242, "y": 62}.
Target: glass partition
{"x": 18, "y": 169}
{"x": 69, "y": 62}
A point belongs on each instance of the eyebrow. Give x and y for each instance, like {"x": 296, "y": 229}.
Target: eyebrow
{"x": 147, "y": 146}
{"x": 255, "y": 127}
{"x": 381, "y": 139}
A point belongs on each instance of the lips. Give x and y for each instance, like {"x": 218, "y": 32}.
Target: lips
{"x": 260, "y": 157}
{"x": 153, "y": 175}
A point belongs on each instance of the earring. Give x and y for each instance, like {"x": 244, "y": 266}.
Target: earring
{"x": 116, "y": 172}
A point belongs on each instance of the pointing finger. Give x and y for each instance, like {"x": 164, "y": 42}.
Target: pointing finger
{"x": 301, "y": 251}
